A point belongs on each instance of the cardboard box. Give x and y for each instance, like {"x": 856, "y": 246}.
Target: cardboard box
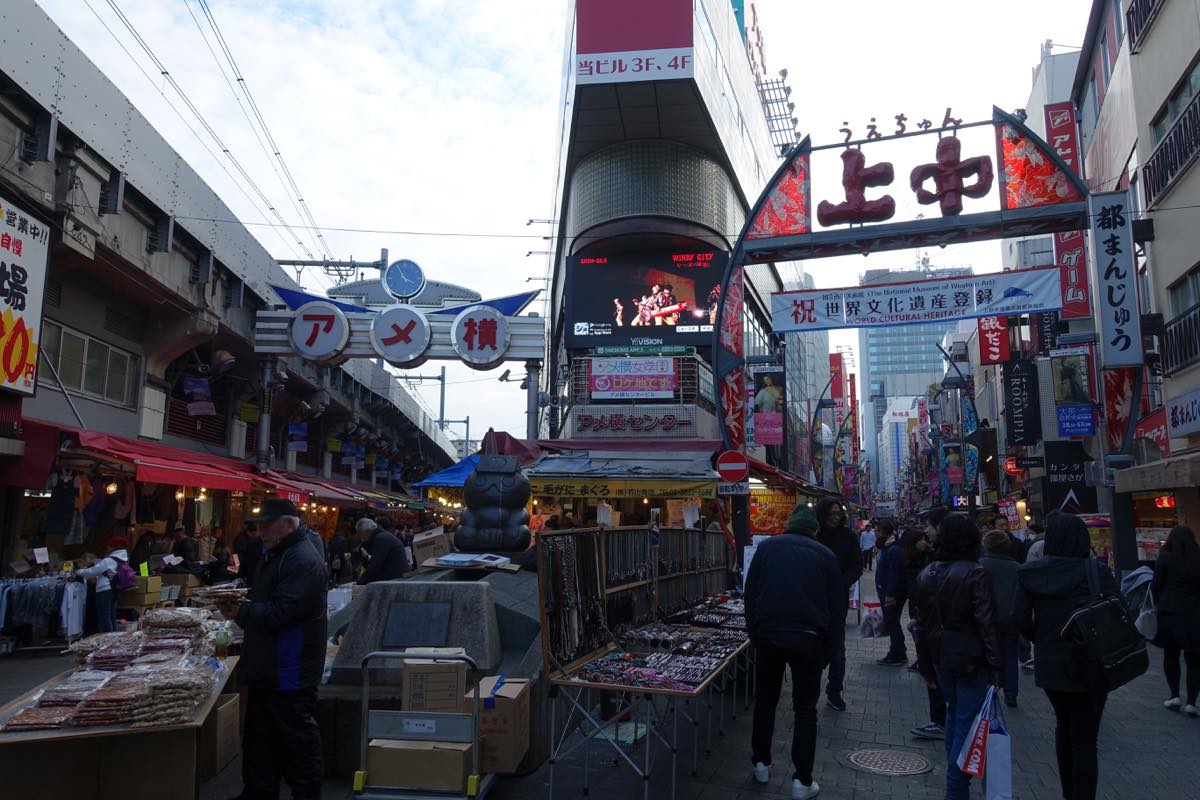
{"x": 430, "y": 545}
{"x": 428, "y": 766}
{"x": 135, "y": 599}
{"x": 220, "y": 737}
{"x": 503, "y": 723}
{"x": 187, "y": 580}
{"x": 149, "y": 585}
{"x": 431, "y": 684}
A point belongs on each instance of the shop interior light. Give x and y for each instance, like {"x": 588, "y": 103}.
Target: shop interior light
{"x": 1027, "y": 518}
{"x": 256, "y": 510}
{"x": 179, "y": 494}
{"x": 111, "y": 488}
{"x": 645, "y": 501}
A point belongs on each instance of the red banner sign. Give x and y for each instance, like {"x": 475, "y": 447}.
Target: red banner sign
{"x": 993, "y": 340}
{"x": 1070, "y": 248}
{"x": 1154, "y": 428}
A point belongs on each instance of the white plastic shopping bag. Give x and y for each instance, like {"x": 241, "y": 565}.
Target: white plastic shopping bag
{"x": 872, "y": 624}
{"x": 997, "y": 780}
{"x": 972, "y": 758}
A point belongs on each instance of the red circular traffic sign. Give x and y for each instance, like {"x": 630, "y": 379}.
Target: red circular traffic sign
{"x": 732, "y": 466}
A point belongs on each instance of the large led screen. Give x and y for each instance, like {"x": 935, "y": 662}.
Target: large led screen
{"x": 646, "y": 296}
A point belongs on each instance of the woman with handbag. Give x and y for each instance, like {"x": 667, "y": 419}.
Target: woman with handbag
{"x": 956, "y": 625}
{"x": 1049, "y": 592}
{"x": 1176, "y": 592}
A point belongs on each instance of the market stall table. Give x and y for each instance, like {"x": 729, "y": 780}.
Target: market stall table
{"x": 577, "y": 690}
{"x": 109, "y": 762}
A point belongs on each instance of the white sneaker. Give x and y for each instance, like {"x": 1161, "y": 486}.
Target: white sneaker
{"x": 1172, "y": 704}
{"x": 762, "y": 773}
{"x": 1191, "y": 710}
{"x": 802, "y": 792}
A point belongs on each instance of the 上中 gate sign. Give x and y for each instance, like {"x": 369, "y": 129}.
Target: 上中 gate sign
{"x": 1115, "y": 278}
{"x": 481, "y": 336}
{"x": 401, "y": 335}
{"x": 24, "y": 245}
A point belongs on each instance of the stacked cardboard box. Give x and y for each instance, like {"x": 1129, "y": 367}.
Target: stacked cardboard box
{"x": 426, "y": 766}
{"x": 431, "y": 684}
{"x": 503, "y": 723}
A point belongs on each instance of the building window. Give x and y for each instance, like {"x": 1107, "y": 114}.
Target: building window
{"x": 1105, "y": 61}
{"x": 1179, "y": 100}
{"x": 89, "y": 366}
{"x": 1185, "y": 293}
{"x": 1089, "y": 110}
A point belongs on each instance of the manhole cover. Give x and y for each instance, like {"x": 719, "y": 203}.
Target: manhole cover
{"x": 889, "y": 762}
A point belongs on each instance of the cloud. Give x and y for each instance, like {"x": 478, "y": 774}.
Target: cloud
{"x": 425, "y": 115}
{"x": 441, "y": 115}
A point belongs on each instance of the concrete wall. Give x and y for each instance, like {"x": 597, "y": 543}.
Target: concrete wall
{"x": 1164, "y": 57}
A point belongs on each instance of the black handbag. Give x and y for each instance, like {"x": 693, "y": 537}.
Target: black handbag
{"x": 1105, "y": 636}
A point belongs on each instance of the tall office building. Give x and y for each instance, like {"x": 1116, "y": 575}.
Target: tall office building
{"x": 807, "y": 368}
{"x": 892, "y": 454}
{"x": 897, "y": 361}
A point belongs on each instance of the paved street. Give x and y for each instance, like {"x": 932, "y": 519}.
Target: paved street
{"x": 1145, "y": 750}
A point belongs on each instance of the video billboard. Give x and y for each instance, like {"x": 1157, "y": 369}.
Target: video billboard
{"x": 645, "y": 296}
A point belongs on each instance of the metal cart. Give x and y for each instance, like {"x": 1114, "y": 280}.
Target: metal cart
{"x": 421, "y": 726}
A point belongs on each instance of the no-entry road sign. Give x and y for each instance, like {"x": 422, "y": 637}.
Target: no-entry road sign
{"x": 732, "y": 466}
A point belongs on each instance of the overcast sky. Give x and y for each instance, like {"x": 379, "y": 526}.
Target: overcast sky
{"x": 440, "y": 116}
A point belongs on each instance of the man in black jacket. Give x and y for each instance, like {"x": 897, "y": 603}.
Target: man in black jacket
{"x": 387, "y": 558}
{"x": 845, "y": 546}
{"x": 795, "y": 614}
{"x": 283, "y": 657}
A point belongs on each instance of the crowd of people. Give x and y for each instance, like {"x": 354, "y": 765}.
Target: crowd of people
{"x": 983, "y": 601}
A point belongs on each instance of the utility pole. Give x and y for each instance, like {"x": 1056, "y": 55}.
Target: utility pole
{"x": 466, "y": 436}
{"x": 340, "y": 271}
{"x": 441, "y": 377}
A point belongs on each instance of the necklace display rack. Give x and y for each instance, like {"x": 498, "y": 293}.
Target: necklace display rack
{"x": 601, "y": 594}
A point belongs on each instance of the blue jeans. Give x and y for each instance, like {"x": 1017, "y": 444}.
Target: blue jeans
{"x": 964, "y": 697}
{"x": 106, "y": 611}
{"x": 1011, "y": 645}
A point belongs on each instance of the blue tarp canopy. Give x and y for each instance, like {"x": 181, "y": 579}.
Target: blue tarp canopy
{"x": 451, "y": 476}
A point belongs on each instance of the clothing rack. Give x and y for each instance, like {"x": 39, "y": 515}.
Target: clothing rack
{"x": 48, "y": 604}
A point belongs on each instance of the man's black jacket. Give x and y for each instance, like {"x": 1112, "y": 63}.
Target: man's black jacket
{"x": 284, "y": 619}
{"x": 794, "y": 594}
{"x": 389, "y": 558}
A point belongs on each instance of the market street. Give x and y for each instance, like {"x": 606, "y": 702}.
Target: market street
{"x": 1137, "y": 740}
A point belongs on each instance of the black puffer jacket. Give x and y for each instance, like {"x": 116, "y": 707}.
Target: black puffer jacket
{"x": 284, "y": 619}
{"x": 794, "y": 594}
{"x": 389, "y": 558}
{"x": 957, "y": 596}
{"x": 1176, "y": 586}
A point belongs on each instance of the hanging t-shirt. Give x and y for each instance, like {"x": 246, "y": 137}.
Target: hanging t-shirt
{"x": 71, "y": 612}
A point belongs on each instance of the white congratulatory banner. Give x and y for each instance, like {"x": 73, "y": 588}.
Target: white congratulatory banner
{"x": 914, "y": 302}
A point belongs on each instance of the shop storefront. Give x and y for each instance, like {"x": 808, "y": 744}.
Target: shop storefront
{"x": 1165, "y": 493}
{"x": 614, "y": 489}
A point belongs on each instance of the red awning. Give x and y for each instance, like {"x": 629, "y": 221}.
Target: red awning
{"x": 160, "y": 463}
{"x": 775, "y": 476}
{"x": 32, "y": 470}
{"x": 291, "y": 482}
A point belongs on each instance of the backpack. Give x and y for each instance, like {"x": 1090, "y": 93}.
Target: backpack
{"x": 1106, "y": 637}
{"x": 124, "y": 578}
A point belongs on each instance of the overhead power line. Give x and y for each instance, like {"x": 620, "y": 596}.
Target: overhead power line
{"x": 323, "y": 246}
{"x": 208, "y": 128}
{"x": 219, "y": 161}
{"x": 241, "y": 107}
